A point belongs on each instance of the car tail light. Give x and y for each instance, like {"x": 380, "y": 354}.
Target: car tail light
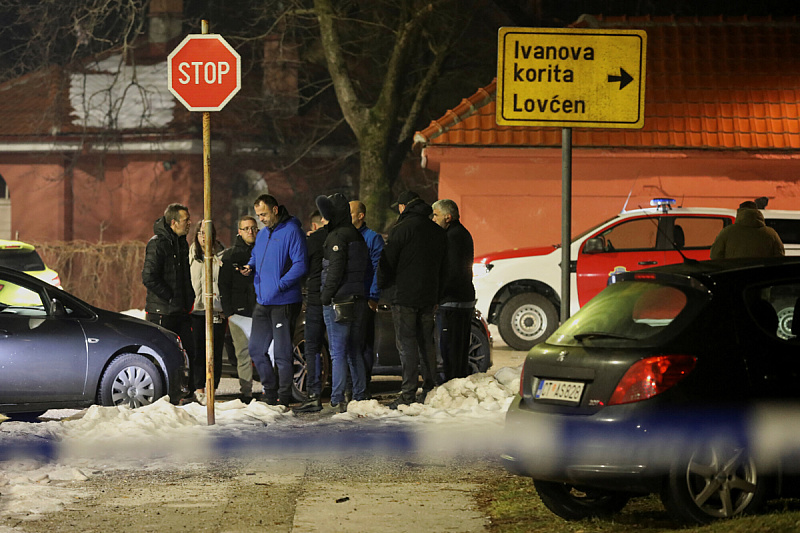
{"x": 650, "y": 376}
{"x": 522, "y": 381}
{"x": 56, "y": 281}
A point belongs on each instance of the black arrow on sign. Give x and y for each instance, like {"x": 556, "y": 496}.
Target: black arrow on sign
{"x": 624, "y": 78}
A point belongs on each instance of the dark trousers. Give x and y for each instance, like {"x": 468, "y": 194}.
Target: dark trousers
{"x": 274, "y": 323}
{"x": 314, "y": 335}
{"x": 181, "y": 325}
{"x": 197, "y": 375}
{"x": 413, "y": 327}
{"x": 453, "y": 326}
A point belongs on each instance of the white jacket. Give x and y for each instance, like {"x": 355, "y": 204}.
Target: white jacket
{"x": 197, "y": 269}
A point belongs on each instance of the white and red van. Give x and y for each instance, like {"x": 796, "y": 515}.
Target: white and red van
{"x": 519, "y": 290}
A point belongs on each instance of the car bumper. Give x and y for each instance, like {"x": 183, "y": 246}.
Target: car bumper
{"x": 627, "y": 447}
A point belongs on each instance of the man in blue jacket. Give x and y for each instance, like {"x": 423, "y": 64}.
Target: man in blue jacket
{"x": 279, "y": 263}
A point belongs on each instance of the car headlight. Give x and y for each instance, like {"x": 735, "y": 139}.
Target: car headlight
{"x": 480, "y": 269}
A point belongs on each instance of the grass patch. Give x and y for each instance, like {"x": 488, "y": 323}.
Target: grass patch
{"x": 513, "y": 506}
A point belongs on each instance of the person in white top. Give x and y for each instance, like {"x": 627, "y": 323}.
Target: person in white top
{"x": 197, "y": 378}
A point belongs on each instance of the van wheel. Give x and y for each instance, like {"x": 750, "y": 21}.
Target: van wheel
{"x": 526, "y": 320}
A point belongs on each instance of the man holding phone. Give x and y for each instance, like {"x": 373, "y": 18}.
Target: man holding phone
{"x": 238, "y": 299}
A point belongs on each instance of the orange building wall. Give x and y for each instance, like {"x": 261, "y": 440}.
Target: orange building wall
{"x": 113, "y": 198}
{"x": 510, "y": 198}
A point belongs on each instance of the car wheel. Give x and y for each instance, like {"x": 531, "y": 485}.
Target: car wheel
{"x": 526, "y": 320}
{"x": 576, "y": 503}
{"x": 479, "y": 351}
{"x": 715, "y": 482}
{"x": 300, "y": 377}
{"x": 30, "y": 416}
{"x": 785, "y": 316}
{"x": 132, "y": 380}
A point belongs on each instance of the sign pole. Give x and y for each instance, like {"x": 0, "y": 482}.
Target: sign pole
{"x": 566, "y": 219}
{"x": 208, "y": 286}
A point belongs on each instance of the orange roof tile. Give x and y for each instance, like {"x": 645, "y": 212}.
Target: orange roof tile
{"x": 712, "y": 83}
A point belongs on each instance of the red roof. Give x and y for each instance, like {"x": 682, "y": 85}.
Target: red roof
{"x": 712, "y": 83}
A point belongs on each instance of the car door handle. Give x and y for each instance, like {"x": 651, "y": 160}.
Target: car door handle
{"x": 648, "y": 262}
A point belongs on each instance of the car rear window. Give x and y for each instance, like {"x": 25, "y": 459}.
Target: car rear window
{"x": 24, "y": 260}
{"x": 625, "y": 312}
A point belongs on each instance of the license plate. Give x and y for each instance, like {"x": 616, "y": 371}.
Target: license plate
{"x": 565, "y": 391}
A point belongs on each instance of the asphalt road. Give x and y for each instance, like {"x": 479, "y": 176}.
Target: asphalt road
{"x": 361, "y": 491}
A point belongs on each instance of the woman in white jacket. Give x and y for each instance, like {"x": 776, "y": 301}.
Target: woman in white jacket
{"x": 197, "y": 375}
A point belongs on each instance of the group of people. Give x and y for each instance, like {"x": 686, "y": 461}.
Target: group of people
{"x": 424, "y": 271}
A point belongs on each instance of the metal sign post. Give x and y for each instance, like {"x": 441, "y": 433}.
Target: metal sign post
{"x": 204, "y": 74}
{"x": 570, "y": 78}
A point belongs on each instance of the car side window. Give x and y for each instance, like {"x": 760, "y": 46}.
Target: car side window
{"x": 637, "y": 234}
{"x": 772, "y": 309}
{"x": 18, "y": 300}
{"x": 698, "y": 232}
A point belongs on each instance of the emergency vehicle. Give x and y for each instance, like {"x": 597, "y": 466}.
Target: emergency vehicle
{"x": 519, "y": 290}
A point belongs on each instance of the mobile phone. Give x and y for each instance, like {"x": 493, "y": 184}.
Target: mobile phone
{"x": 236, "y": 266}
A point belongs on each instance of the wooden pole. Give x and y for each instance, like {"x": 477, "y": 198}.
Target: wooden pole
{"x": 208, "y": 286}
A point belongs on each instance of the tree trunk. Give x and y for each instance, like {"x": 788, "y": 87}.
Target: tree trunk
{"x": 373, "y": 187}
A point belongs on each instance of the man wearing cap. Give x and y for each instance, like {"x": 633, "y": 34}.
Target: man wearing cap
{"x": 411, "y": 269}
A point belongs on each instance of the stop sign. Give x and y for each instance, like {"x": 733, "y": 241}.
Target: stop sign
{"x": 204, "y": 72}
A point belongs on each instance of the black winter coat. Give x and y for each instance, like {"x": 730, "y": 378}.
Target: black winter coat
{"x": 315, "y": 245}
{"x": 460, "y": 255}
{"x": 345, "y": 256}
{"x": 236, "y": 291}
{"x": 166, "y": 272}
{"x": 413, "y": 260}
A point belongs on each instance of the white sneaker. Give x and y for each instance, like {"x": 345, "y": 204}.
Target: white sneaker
{"x": 200, "y": 397}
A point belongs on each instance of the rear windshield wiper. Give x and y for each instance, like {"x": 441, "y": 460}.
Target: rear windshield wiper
{"x": 580, "y": 337}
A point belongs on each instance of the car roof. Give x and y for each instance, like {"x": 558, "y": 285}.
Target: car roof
{"x": 768, "y": 213}
{"x": 720, "y": 269}
{"x": 15, "y": 245}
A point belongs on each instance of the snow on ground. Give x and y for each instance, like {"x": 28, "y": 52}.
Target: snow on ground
{"x": 54, "y": 456}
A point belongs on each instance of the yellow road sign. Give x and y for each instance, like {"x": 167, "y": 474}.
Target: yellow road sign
{"x": 571, "y": 77}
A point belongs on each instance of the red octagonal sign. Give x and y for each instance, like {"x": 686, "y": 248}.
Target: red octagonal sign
{"x": 204, "y": 72}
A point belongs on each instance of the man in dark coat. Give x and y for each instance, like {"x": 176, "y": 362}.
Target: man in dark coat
{"x": 454, "y": 315}
{"x": 167, "y": 279}
{"x": 238, "y": 297}
{"x": 345, "y": 264}
{"x": 749, "y": 236}
{"x": 314, "y": 332}
{"x": 412, "y": 264}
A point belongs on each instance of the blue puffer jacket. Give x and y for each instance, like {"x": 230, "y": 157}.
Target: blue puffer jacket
{"x": 279, "y": 261}
{"x": 345, "y": 259}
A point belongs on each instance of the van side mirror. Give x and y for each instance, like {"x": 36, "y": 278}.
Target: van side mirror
{"x": 594, "y": 245}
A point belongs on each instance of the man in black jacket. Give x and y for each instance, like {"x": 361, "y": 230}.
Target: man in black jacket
{"x": 412, "y": 264}
{"x": 454, "y": 315}
{"x": 314, "y": 332}
{"x": 345, "y": 264}
{"x": 167, "y": 279}
{"x": 238, "y": 299}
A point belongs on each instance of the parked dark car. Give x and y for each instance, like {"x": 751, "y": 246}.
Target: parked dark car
{"x": 653, "y": 387}
{"x": 387, "y": 360}
{"x": 57, "y": 351}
